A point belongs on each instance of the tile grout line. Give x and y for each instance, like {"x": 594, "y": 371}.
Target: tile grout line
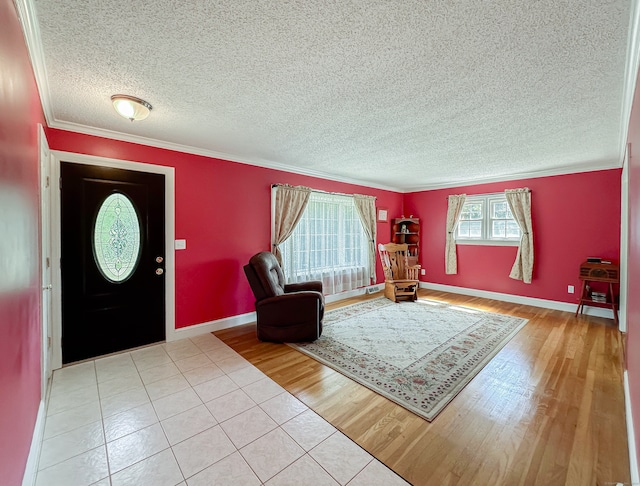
{"x": 256, "y": 405}
{"x": 104, "y": 432}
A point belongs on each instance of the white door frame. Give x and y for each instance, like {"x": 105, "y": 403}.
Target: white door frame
{"x": 624, "y": 241}
{"x": 46, "y": 316}
{"x": 56, "y": 238}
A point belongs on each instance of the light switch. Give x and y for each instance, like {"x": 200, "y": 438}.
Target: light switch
{"x": 180, "y": 245}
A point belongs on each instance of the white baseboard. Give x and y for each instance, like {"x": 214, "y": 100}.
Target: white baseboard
{"x": 211, "y": 326}
{"x": 239, "y": 320}
{"x": 31, "y": 469}
{"x": 519, "y": 299}
{"x": 633, "y": 457}
{"x": 352, "y": 293}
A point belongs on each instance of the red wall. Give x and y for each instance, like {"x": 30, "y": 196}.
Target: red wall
{"x": 20, "y": 111}
{"x": 223, "y": 210}
{"x": 633, "y": 268}
{"x": 574, "y": 216}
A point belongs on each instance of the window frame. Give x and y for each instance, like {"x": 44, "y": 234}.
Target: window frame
{"x": 340, "y": 201}
{"x": 486, "y": 239}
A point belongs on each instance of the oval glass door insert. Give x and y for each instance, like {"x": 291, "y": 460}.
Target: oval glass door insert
{"x": 116, "y": 238}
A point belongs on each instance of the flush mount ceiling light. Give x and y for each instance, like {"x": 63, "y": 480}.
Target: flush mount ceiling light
{"x": 131, "y": 107}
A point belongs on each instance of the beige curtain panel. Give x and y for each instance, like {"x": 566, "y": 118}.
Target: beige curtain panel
{"x": 456, "y": 202}
{"x": 366, "y": 206}
{"x": 519, "y": 201}
{"x": 289, "y": 206}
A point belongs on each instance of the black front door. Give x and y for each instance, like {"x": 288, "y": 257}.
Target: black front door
{"x": 112, "y": 260}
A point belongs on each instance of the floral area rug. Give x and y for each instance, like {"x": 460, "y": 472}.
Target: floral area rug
{"x": 418, "y": 354}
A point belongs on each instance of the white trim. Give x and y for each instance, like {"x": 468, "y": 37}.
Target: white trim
{"x": 259, "y": 162}
{"x": 27, "y": 13}
{"x": 189, "y": 149}
{"x": 624, "y": 245}
{"x": 489, "y": 242}
{"x": 56, "y": 274}
{"x": 564, "y": 170}
{"x": 274, "y": 190}
{"x": 211, "y": 326}
{"x": 169, "y": 184}
{"x": 519, "y": 299}
{"x": 31, "y": 468}
{"x": 350, "y": 293}
{"x": 249, "y": 317}
{"x": 630, "y": 76}
{"x": 46, "y": 262}
{"x": 486, "y": 200}
{"x": 633, "y": 457}
{"x": 29, "y": 20}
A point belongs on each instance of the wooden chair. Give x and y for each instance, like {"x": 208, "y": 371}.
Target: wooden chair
{"x": 401, "y": 280}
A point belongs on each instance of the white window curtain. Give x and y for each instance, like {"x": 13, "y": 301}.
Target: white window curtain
{"x": 328, "y": 244}
{"x": 366, "y": 207}
{"x": 519, "y": 201}
{"x": 456, "y": 203}
{"x": 289, "y": 205}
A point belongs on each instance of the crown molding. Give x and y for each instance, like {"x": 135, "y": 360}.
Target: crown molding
{"x": 632, "y": 62}
{"x": 268, "y": 164}
{"x": 565, "y": 170}
{"x": 29, "y": 20}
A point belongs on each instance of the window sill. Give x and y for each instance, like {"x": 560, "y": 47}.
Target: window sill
{"x": 488, "y": 242}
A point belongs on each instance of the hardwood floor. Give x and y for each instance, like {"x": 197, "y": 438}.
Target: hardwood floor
{"x": 547, "y": 410}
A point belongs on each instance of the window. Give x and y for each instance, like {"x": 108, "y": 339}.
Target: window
{"x": 470, "y": 225}
{"x": 487, "y": 220}
{"x": 116, "y": 238}
{"x": 328, "y": 244}
{"x": 502, "y": 223}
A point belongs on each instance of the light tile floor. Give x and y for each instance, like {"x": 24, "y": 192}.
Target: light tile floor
{"x": 190, "y": 412}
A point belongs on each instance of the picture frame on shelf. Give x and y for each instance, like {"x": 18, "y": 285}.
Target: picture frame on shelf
{"x": 383, "y": 215}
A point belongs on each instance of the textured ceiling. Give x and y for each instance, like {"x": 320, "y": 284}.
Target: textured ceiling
{"x": 406, "y": 94}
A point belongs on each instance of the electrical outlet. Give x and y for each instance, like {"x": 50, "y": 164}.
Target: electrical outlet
{"x": 423, "y": 271}
{"x": 570, "y": 289}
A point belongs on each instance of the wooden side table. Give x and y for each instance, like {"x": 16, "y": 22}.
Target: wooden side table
{"x": 599, "y": 272}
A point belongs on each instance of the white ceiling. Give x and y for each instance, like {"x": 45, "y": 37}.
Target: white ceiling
{"x": 403, "y": 94}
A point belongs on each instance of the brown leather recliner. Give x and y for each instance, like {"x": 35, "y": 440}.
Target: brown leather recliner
{"x": 286, "y": 312}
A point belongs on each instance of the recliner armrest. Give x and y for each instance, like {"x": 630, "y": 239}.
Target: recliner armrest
{"x": 314, "y": 285}
{"x": 290, "y": 308}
